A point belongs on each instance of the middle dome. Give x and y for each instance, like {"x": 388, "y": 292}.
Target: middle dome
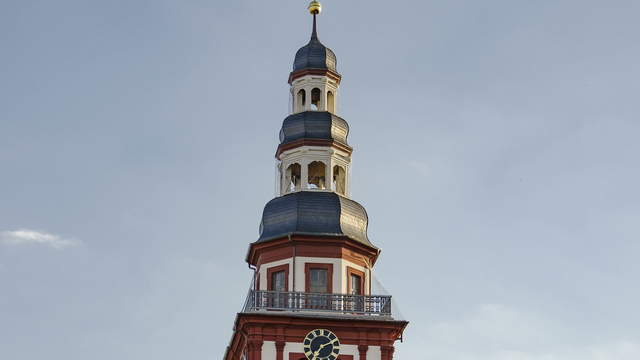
{"x": 314, "y": 125}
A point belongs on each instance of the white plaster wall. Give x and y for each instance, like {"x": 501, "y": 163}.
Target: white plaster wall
{"x": 346, "y": 263}
{"x": 349, "y": 350}
{"x": 269, "y": 350}
{"x": 300, "y": 275}
{"x": 292, "y": 348}
{"x": 339, "y": 280}
{"x": 262, "y": 272}
{"x": 374, "y": 353}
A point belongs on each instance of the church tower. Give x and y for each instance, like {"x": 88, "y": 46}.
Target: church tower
{"x": 311, "y": 297}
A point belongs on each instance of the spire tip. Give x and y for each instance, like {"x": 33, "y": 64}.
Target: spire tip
{"x": 315, "y": 8}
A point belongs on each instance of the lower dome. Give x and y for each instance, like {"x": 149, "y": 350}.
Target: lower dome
{"x": 314, "y": 213}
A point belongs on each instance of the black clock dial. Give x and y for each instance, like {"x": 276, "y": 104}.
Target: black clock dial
{"x": 321, "y": 344}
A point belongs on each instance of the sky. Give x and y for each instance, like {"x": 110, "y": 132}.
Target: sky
{"x": 496, "y": 152}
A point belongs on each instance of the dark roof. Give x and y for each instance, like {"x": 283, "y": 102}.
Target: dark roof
{"x": 314, "y": 125}
{"x": 314, "y": 213}
{"x": 314, "y": 55}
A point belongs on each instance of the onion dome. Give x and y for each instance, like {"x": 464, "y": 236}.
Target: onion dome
{"x": 321, "y": 125}
{"x": 317, "y": 213}
{"x": 314, "y": 55}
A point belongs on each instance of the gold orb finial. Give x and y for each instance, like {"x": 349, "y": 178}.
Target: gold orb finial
{"x": 315, "y": 7}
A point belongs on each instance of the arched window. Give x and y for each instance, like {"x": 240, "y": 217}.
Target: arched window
{"x": 316, "y": 175}
{"x": 339, "y": 180}
{"x": 292, "y": 178}
{"x": 315, "y": 99}
{"x": 301, "y": 100}
{"x": 331, "y": 102}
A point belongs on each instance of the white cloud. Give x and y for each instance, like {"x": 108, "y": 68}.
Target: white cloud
{"x": 32, "y": 237}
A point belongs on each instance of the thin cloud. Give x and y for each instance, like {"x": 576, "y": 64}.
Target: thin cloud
{"x": 32, "y": 237}
{"x": 499, "y": 332}
{"x": 420, "y": 167}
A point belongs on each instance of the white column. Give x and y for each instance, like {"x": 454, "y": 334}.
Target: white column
{"x": 307, "y": 105}
{"x": 323, "y": 97}
{"x": 335, "y": 100}
{"x": 284, "y": 184}
{"x": 280, "y": 179}
{"x": 328, "y": 170}
{"x": 292, "y": 101}
{"x": 347, "y": 180}
{"x": 299, "y": 105}
{"x": 304, "y": 174}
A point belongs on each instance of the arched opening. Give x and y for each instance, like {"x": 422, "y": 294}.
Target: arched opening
{"x": 331, "y": 102}
{"x": 315, "y": 99}
{"x": 301, "y": 100}
{"x": 316, "y": 175}
{"x": 292, "y": 178}
{"x": 339, "y": 180}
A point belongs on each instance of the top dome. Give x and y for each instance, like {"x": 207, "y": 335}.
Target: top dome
{"x": 314, "y": 55}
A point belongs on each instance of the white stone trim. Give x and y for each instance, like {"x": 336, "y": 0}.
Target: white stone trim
{"x": 339, "y": 280}
{"x": 374, "y": 353}
{"x": 291, "y": 347}
{"x": 269, "y": 350}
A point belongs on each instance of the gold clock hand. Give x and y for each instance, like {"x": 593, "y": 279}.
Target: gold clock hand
{"x": 317, "y": 352}
{"x": 329, "y": 343}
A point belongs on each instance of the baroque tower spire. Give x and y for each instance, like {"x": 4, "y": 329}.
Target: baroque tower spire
{"x": 311, "y": 297}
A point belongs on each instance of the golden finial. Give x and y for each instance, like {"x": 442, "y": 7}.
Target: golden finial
{"x": 315, "y": 7}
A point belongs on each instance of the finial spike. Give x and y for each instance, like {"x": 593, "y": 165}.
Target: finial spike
{"x": 315, "y": 8}
{"x": 314, "y": 33}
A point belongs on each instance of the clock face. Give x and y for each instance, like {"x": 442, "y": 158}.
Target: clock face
{"x": 321, "y": 344}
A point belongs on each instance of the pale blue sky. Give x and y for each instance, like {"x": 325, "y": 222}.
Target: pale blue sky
{"x": 496, "y": 151}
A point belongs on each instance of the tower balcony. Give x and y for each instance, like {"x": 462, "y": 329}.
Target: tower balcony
{"x": 366, "y": 305}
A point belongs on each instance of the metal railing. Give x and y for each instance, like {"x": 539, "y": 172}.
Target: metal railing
{"x": 314, "y": 302}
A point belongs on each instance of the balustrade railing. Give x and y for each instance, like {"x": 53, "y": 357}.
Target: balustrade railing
{"x": 314, "y": 302}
